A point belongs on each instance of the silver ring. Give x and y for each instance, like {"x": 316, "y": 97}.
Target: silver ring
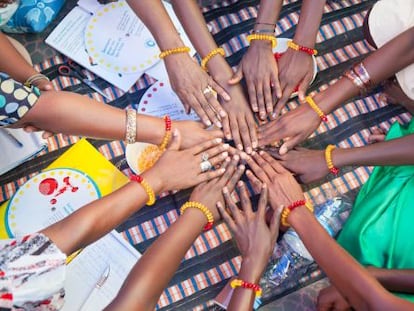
{"x": 208, "y": 90}
{"x": 205, "y": 166}
{"x": 204, "y": 156}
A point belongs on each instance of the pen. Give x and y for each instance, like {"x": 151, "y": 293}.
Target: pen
{"x": 73, "y": 255}
{"x": 13, "y": 138}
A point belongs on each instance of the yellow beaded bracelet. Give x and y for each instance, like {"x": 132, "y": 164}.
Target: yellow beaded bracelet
{"x": 150, "y": 192}
{"x": 297, "y": 47}
{"x": 203, "y": 209}
{"x": 183, "y": 49}
{"x": 286, "y": 211}
{"x": 328, "y": 158}
{"x": 210, "y": 55}
{"x": 315, "y": 107}
{"x": 256, "y": 36}
{"x": 240, "y": 283}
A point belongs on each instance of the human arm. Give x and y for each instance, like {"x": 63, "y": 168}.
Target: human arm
{"x": 310, "y": 165}
{"x": 187, "y": 78}
{"x": 255, "y": 240}
{"x": 13, "y": 63}
{"x": 258, "y": 66}
{"x": 356, "y": 285}
{"x": 299, "y": 123}
{"x": 174, "y": 170}
{"x": 239, "y": 123}
{"x": 144, "y": 285}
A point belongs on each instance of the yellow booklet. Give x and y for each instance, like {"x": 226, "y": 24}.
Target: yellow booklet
{"x": 79, "y": 176}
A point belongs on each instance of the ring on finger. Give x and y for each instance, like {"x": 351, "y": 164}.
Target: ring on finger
{"x": 204, "y": 156}
{"x": 205, "y": 166}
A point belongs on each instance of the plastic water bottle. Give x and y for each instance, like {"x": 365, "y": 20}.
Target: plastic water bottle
{"x": 290, "y": 257}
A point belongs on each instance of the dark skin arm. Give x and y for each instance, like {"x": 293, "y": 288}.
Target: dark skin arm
{"x": 166, "y": 253}
{"x": 299, "y": 123}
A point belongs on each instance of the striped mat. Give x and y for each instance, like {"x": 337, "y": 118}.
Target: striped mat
{"x": 213, "y": 258}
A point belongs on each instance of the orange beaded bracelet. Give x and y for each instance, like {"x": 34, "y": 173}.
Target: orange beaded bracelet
{"x": 297, "y": 47}
{"x": 183, "y": 49}
{"x": 203, "y": 209}
{"x": 256, "y": 36}
{"x": 315, "y": 107}
{"x": 286, "y": 211}
{"x": 240, "y": 283}
{"x": 328, "y": 158}
{"x": 151, "y": 195}
{"x": 206, "y": 59}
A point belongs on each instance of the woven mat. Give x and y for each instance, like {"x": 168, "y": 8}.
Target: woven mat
{"x": 214, "y": 258}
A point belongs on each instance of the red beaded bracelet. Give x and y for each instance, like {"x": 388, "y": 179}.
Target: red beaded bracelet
{"x": 297, "y": 47}
{"x": 240, "y": 283}
{"x": 287, "y": 210}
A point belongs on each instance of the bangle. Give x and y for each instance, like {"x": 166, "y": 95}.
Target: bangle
{"x": 36, "y": 77}
{"x": 131, "y": 126}
{"x": 265, "y": 31}
{"x": 315, "y": 107}
{"x": 297, "y": 47}
{"x": 353, "y": 77}
{"x": 167, "y": 135}
{"x": 240, "y": 283}
{"x": 363, "y": 74}
{"x": 150, "y": 192}
{"x": 287, "y": 210}
{"x": 256, "y": 36}
{"x": 183, "y": 49}
{"x": 210, "y": 55}
{"x": 268, "y": 24}
{"x": 328, "y": 158}
{"x": 203, "y": 209}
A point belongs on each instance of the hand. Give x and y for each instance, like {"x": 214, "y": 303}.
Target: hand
{"x": 30, "y": 129}
{"x": 180, "y": 169}
{"x": 293, "y": 127}
{"x": 308, "y": 165}
{"x": 4, "y": 3}
{"x": 240, "y": 124}
{"x": 189, "y": 81}
{"x": 283, "y": 188}
{"x": 259, "y": 68}
{"x": 295, "y": 69}
{"x": 209, "y": 193}
{"x": 330, "y": 299}
{"x": 255, "y": 239}
{"x": 194, "y": 133}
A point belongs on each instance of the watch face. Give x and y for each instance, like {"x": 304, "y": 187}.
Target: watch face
{"x": 47, "y": 198}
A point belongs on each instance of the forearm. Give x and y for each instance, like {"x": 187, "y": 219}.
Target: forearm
{"x": 12, "y": 62}
{"x": 395, "y": 280}
{"x": 309, "y": 21}
{"x": 74, "y": 114}
{"x": 398, "y": 151}
{"x": 381, "y": 64}
{"x": 151, "y": 274}
{"x": 268, "y": 14}
{"x": 94, "y": 220}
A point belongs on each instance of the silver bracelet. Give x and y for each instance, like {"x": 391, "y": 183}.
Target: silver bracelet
{"x": 131, "y": 126}
{"x": 36, "y": 77}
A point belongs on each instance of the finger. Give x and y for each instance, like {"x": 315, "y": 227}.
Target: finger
{"x": 282, "y": 101}
{"x": 260, "y": 101}
{"x": 261, "y": 209}
{"x": 251, "y": 90}
{"x": 231, "y": 184}
{"x": 203, "y": 99}
{"x": 213, "y": 151}
{"x": 216, "y": 109}
{"x": 218, "y": 159}
{"x": 226, "y": 216}
{"x": 237, "y": 76}
{"x": 244, "y": 198}
{"x": 46, "y": 134}
{"x": 220, "y": 92}
{"x": 175, "y": 140}
{"x": 276, "y": 85}
{"x": 264, "y": 165}
{"x": 226, "y": 127}
{"x": 234, "y": 126}
{"x": 235, "y": 212}
{"x": 275, "y": 222}
{"x": 196, "y": 105}
{"x": 303, "y": 87}
{"x": 254, "y": 182}
{"x": 258, "y": 171}
{"x": 288, "y": 144}
{"x": 244, "y": 132}
{"x": 187, "y": 107}
{"x": 206, "y": 145}
{"x": 230, "y": 167}
{"x": 209, "y": 175}
{"x": 252, "y": 126}
{"x": 275, "y": 164}
{"x": 267, "y": 91}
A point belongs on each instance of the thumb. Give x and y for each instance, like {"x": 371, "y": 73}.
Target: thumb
{"x": 303, "y": 86}
{"x": 289, "y": 144}
{"x": 275, "y": 223}
{"x": 237, "y": 76}
{"x": 175, "y": 140}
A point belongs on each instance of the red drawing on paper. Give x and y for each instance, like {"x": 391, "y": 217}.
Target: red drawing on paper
{"x": 49, "y": 186}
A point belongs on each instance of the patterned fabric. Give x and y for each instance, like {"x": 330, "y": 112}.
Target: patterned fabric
{"x": 32, "y": 274}
{"x": 15, "y": 99}
{"x": 214, "y": 258}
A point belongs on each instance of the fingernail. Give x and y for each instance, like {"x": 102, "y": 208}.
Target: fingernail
{"x": 228, "y": 159}
{"x": 218, "y": 204}
{"x": 226, "y": 96}
{"x": 261, "y": 152}
{"x": 175, "y": 132}
{"x": 236, "y": 157}
{"x": 225, "y": 190}
{"x": 222, "y": 170}
{"x": 217, "y": 140}
{"x": 218, "y": 124}
{"x": 255, "y": 144}
{"x": 240, "y": 183}
{"x": 222, "y": 113}
{"x": 241, "y": 167}
{"x": 253, "y": 153}
{"x": 224, "y": 155}
{"x": 240, "y": 147}
{"x": 228, "y": 136}
{"x": 249, "y": 150}
{"x": 226, "y": 146}
{"x": 264, "y": 186}
{"x": 274, "y": 115}
{"x": 208, "y": 123}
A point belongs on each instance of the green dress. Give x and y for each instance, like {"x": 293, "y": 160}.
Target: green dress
{"x": 380, "y": 229}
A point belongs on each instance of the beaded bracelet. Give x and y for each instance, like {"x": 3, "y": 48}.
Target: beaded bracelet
{"x": 202, "y": 208}
{"x": 131, "y": 126}
{"x": 214, "y": 52}
{"x": 328, "y": 158}
{"x": 167, "y": 135}
{"x": 182, "y": 49}
{"x": 240, "y": 283}
{"x": 256, "y": 36}
{"x": 353, "y": 77}
{"x": 287, "y": 210}
{"x": 297, "y": 47}
{"x": 36, "y": 77}
{"x": 315, "y": 107}
{"x": 150, "y": 192}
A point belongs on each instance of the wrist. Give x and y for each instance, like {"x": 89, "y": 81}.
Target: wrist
{"x": 150, "y": 129}
{"x": 152, "y": 177}
{"x": 252, "y": 269}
